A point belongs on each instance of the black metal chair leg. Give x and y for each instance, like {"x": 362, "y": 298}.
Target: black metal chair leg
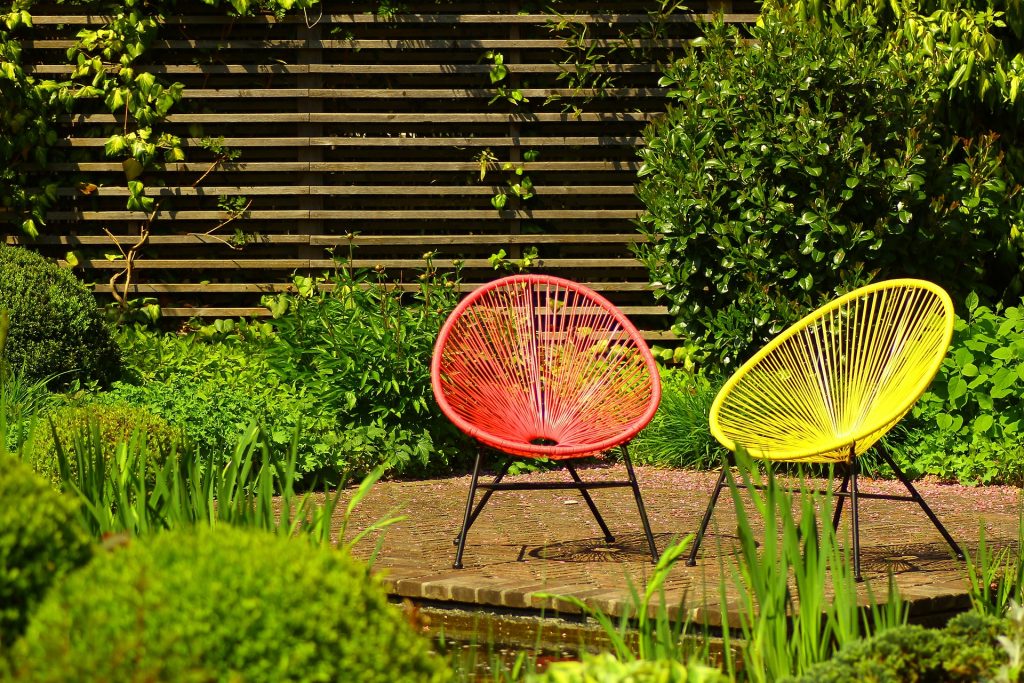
{"x": 590, "y": 503}
{"x": 843, "y": 488}
{"x": 924, "y": 506}
{"x": 692, "y": 560}
{"x": 639, "y": 503}
{"x": 854, "y": 509}
{"x": 469, "y": 511}
{"x": 484, "y": 498}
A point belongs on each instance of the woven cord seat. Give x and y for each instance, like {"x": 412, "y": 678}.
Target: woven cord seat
{"x": 829, "y": 387}
{"x": 538, "y": 366}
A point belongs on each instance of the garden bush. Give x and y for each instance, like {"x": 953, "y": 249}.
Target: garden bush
{"x": 116, "y": 423}
{"x": 802, "y": 163}
{"x": 969, "y": 425}
{"x": 679, "y": 435}
{"x": 363, "y": 347}
{"x": 41, "y": 539}
{"x": 56, "y": 330}
{"x": 222, "y": 604}
{"x": 965, "y": 651}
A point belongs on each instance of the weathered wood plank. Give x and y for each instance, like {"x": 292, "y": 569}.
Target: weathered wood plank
{"x": 403, "y": 141}
{"x": 413, "y": 93}
{"x": 278, "y": 287}
{"x": 352, "y": 190}
{"x": 297, "y": 69}
{"x": 404, "y": 18}
{"x": 353, "y": 214}
{"x": 340, "y": 240}
{"x": 320, "y": 264}
{"x": 420, "y": 167}
{"x": 426, "y": 117}
{"x": 368, "y": 44}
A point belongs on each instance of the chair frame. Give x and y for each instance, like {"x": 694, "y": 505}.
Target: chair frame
{"x": 847, "y": 489}
{"x": 472, "y": 512}
{"x": 560, "y": 455}
{"x": 850, "y": 464}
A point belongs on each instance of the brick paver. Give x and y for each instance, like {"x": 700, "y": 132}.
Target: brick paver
{"x": 528, "y": 545}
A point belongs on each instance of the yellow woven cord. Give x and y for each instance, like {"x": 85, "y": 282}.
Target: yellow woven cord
{"x": 841, "y": 377}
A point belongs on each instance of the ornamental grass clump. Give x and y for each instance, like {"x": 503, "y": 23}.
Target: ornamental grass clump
{"x": 222, "y": 605}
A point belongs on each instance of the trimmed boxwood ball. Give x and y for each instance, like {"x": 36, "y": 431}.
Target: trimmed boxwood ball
{"x": 222, "y": 605}
{"x": 41, "y": 539}
{"x": 55, "y": 324}
{"x": 966, "y": 650}
{"x": 117, "y": 423}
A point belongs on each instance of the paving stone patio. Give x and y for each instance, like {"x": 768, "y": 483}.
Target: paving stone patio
{"x": 526, "y": 543}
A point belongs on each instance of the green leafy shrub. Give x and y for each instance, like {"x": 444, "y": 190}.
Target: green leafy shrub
{"x": 679, "y": 435}
{"x": 800, "y": 164}
{"x": 605, "y": 668}
{"x": 56, "y": 330}
{"x": 41, "y": 539}
{"x": 116, "y": 423}
{"x": 215, "y": 383}
{"x": 364, "y": 350}
{"x": 969, "y": 425}
{"x": 965, "y": 651}
{"x": 222, "y": 604}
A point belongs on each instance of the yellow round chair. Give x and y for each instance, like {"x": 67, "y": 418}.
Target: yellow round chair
{"x": 829, "y": 387}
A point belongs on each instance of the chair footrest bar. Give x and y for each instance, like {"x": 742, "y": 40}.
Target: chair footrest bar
{"x": 554, "y": 485}
{"x": 836, "y": 494}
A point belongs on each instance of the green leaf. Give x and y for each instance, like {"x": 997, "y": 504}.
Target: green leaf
{"x": 982, "y": 424}
{"x": 957, "y": 388}
{"x": 132, "y": 168}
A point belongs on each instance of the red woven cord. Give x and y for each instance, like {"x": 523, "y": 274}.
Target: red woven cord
{"x": 540, "y": 366}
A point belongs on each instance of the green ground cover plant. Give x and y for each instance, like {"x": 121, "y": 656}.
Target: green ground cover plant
{"x": 348, "y": 356}
{"x": 605, "y": 668}
{"x": 969, "y": 425}
{"x": 214, "y": 385}
{"x": 222, "y": 604}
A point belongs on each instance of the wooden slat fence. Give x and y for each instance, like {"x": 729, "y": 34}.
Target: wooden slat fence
{"x": 348, "y": 123}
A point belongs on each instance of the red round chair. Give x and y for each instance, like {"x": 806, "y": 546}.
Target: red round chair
{"x": 538, "y": 366}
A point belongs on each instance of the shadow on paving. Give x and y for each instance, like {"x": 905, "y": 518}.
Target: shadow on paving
{"x": 531, "y": 542}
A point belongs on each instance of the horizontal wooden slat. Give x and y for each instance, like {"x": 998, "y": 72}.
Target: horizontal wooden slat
{"x": 341, "y": 240}
{"x": 427, "y": 117}
{"x": 367, "y": 44}
{"x": 411, "y": 93}
{"x": 350, "y": 190}
{"x": 279, "y": 287}
{"x": 355, "y": 166}
{"x": 355, "y": 214}
{"x": 262, "y": 311}
{"x": 319, "y": 264}
{"x": 406, "y": 18}
{"x": 533, "y": 141}
{"x": 372, "y": 69}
